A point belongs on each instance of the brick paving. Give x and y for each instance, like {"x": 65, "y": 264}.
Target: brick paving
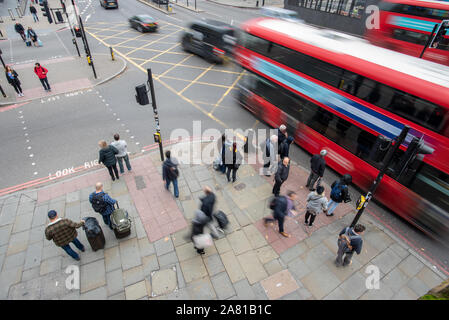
{"x": 157, "y": 261}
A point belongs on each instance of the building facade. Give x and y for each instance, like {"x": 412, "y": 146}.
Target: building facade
{"x": 344, "y": 15}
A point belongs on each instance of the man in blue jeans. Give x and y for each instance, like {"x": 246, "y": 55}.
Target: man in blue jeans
{"x": 122, "y": 154}
{"x": 102, "y": 203}
{"x": 170, "y": 173}
{"x": 62, "y": 232}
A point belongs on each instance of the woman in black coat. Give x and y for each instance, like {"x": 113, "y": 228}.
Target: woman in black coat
{"x": 107, "y": 157}
{"x": 233, "y": 161}
{"x": 13, "y": 79}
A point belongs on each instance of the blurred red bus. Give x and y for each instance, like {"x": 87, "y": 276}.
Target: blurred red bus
{"x": 339, "y": 92}
{"x": 405, "y": 26}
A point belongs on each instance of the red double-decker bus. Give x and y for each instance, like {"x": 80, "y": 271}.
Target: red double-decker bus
{"x": 405, "y": 26}
{"x": 340, "y": 93}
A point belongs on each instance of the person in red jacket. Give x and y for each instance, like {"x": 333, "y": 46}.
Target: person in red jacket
{"x": 42, "y": 74}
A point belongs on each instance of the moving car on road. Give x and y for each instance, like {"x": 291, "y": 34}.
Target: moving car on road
{"x": 143, "y": 23}
{"x": 280, "y": 13}
{"x": 210, "y": 39}
{"x": 109, "y": 4}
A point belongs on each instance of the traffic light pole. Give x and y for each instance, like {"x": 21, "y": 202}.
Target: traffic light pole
{"x": 389, "y": 157}
{"x": 89, "y": 56}
{"x": 155, "y": 113}
{"x": 71, "y": 29}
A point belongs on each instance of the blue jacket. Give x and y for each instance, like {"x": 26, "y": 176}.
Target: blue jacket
{"x": 356, "y": 240}
{"x": 110, "y": 203}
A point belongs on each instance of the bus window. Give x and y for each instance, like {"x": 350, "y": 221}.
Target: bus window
{"x": 432, "y": 185}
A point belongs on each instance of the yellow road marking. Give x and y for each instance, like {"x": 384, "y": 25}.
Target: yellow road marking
{"x": 174, "y": 66}
{"x": 227, "y": 92}
{"x": 196, "y": 79}
{"x": 159, "y": 54}
{"x": 152, "y": 42}
{"x": 195, "y": 105}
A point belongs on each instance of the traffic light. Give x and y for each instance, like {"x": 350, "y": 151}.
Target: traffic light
{"x": 142, "y": 96}
{"x": 407, "y": 165}
{"x": 78, "y": 32}
{"x": 380, "y": 148}
{"x": 46, "y": 10}
{"x": 441, "y": 32}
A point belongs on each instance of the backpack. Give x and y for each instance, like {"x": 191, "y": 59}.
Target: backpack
{"x": 272, "y": 203}
{"x": 174, "y": 172}
{"x": 348, "y": 238}
{"x": 222, "y": 220}
{"x": 98, "y": 203}
{"x": 337, "y": 192}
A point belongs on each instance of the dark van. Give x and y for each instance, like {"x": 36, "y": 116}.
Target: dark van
{"x": 210, "y": 39}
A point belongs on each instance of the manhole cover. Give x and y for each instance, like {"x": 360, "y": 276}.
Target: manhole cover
{"x": 140, "y": 183}
{"x": 240, "y": 186}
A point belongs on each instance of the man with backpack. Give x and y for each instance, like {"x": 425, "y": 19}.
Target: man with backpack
{"x": 349, "y": 241}
{"x": 170, "y": 173}
{"x": 339, "y": 193}
{"x": 282, "y": 206}
{"x": 102, "y": 203}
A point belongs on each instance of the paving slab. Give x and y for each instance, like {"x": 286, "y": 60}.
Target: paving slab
{"x": 279, "y": 285}
{"x": 186, "y": 252}
{"x": 291, "y": 253}
{"x": 254, "y": 271}
{"x": 411, "y": 266}
{"x": 430, "y": 278}
{"x": 149, "y": 264}
{"x": 163, "y": 282}
{"x": 222, "y": 245}
{"x": 37, "y": 234}
{"x": 418, "y": 286}
{"x": 114, "y": 281}
{"x": 133, "y": 275}
{"x": 354, "y": 287}
{"x": 223, "y": 286}
{"x": 168, "y": 259}
{"x": 33, "y": 255}
{"x": 254, "y": 237}
{"x": 386, "y": 260}
{"x": 129, "y": 254}
{"x": 259, "y": 291}
{"x": 232, "y": 266}
{"x": 193, "y": 269}
{"x": 14, "y": 260}
{"x": 266, "y": 254}
{"x": 337, "y": 294}
{"x": 214, "y": 264}
{"x": 97, "y": 294}
{"x": 5, "y": 233}
{"x": 320, "y": 282}
{"x": 51, "y": 265}
{"x": 136, "y": 291}
{"x": 239, "y": 242}
{"x": 30, "y": 274}
{"x": 405, "y": 293}
{"x": 383, "y": 293}
{"x": 18, "y": 242}
{"x": 112, "y": 258}
{"x": 92, "y": 276}
{"x": 395, "y": 280}
{"x": 7, "y": 279}
{"x": 145, "y": 247}
{"x": 23, "y": 222}
{"x": 201, "y": 289}
{"x": 244, "y": 290}
{"x": 163, "y": 246}
{"x": 274, "y": 266}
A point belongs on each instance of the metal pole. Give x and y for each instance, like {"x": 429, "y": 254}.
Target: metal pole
{"x": 71, "y": 29}
{"x": 11, "y": 14}
{"x": 195, "y": 5}
{"x": 89, "y": 55}
{"x": 18, "y": 12}
{"x": 429, "y": 40}
{"x": 3, "y": 62}
{"x": 155, "y": 113}
{"x": 3, "y": 92}
{"x": 112, "y": 53}
{"x": 398, "y": 141}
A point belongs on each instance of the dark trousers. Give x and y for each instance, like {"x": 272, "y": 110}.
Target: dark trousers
{"x": 277, "y": 187}
{"x": 22, "y": 34}
{"x": 228, "y": 173}
{"x": 311, "y": 216}
{"x": 113, "y": 169}
{"x": 107, "y": 220}
{"x": 45, "y": 83}
{"x": 342, "y": 251}
{"x": 267, "y": 165}
{"x": 313, "y": 177}
{"x": 17, "y": 87}
{"x": 280, "y": 222}
{"x": 70, "y": 251}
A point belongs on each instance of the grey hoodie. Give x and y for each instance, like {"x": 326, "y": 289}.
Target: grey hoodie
{"x": 316, "y": 203}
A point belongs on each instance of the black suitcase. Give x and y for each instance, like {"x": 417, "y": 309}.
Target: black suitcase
{"x": 94, "y": 233}
{"x": 221, "y": 219}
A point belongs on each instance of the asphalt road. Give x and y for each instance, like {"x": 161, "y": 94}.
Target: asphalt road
{"x": 64, "y": 133}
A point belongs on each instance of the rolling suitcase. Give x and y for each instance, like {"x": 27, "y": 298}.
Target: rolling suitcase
{"x": 121, "y": 224}
{"x": 221, "y": 219}
{"x": 94, "y": 233}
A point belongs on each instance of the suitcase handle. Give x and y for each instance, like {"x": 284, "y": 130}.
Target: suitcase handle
{"x": 116, "y": 203}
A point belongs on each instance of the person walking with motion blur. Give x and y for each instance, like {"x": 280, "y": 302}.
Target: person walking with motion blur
{"x": 33, "y": 12}
{"x": 102, "y": 203}
{"x": 13, "y": 79}
{"x": 284, "y": 147}
{"x": 281, "y": 175}
{"x": 282, "y": 206}
{"x": 233, "y": 160}
{"x": 122, "y": 148}
{"x": 282, "y": 135}
{"x": 20, "y": 30}
{"x": 269, "y": 150}
{"x": 170, "y": 173}
{"x": 349, "y": 241}
{"x": 42, "y": 75}
{"x": 317, "y": 166}
{"x": 316, "y": 204}
{"x": 31, "y": 34}
{"x": 339, "y": 193}
{"x": 207, "y": 206}
{"x": 107, "y": 157}
{"x": 62, "y": 232}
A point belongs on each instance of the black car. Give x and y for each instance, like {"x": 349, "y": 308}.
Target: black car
{"x": 143, "y": 23}
{"x": 210, "y": 39}
{"x": 109, "y": 4}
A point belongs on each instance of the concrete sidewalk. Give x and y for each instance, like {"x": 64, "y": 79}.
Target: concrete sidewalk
{"x": 157, "y": 261}
{"x": 65, "y": 75}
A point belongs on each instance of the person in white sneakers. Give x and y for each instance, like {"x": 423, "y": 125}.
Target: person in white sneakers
{"x": 122, "y": 154}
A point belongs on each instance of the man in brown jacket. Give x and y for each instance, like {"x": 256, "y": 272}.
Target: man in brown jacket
{"x": 62, "y": 232}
